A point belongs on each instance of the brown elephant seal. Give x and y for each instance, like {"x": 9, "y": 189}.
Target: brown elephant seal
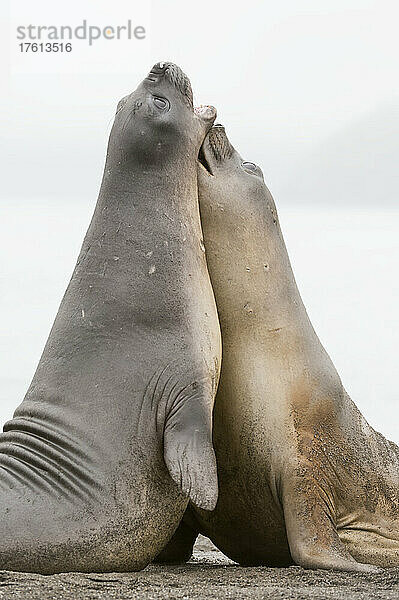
{"x": 303, "y": 478}
{"x": 114, "y": 433}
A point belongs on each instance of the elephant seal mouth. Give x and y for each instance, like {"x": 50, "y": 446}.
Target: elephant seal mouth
{"x": 175, "y": 76}
{"x": 203, "y": 160}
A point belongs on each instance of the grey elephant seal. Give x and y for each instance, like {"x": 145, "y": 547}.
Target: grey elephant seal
{"x": 303, "y": 478}
{"x": 114, "y": 433}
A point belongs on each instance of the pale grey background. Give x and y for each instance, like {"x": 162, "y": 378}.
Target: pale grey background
{"x": 308, "y": 89}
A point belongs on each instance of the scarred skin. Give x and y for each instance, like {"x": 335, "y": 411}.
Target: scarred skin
{"x": 303, "y": 478}
{"x": 114, "y": 433}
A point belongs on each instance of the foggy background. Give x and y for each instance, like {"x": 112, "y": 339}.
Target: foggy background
{"x": 307, "y": 89}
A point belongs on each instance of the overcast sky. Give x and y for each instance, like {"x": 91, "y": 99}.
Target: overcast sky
{"x": 306, "y": 88}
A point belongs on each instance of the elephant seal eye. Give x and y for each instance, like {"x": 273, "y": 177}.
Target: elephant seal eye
{"x": 161, "y": 103}
{"x": 249, "y": 166}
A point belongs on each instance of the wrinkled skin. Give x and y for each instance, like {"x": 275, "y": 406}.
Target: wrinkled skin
{"x": 114, "y": 433}
{"x": 303, "y": 478}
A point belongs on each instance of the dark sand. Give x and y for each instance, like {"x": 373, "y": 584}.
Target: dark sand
{"x": 208, "y": 575}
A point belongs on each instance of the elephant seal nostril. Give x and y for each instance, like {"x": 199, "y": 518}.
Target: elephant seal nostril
{"x": 168, "y": 71}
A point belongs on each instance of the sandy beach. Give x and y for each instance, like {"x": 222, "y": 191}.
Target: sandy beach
{"x": 209, "y": 574}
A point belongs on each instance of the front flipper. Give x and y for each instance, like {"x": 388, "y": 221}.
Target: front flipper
{"x": 180, "y": 548}
{"x": 310, "y": 523}
{"x": 188, "y": 449}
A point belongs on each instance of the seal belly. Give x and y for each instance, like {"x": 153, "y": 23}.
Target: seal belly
{"x": 246, "y": 526}
{"x": 248, "y": 522}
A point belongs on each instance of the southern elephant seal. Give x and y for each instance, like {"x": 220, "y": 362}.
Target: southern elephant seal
{"x": 124, "y": 389}
{"x": 303, "y": 478}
